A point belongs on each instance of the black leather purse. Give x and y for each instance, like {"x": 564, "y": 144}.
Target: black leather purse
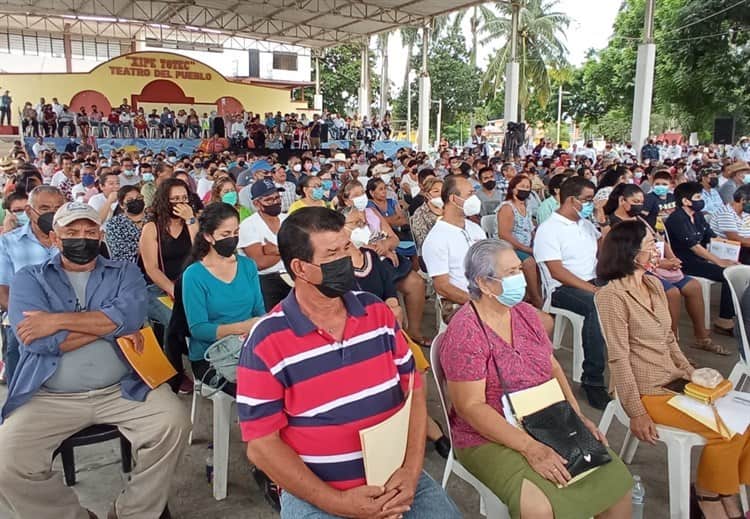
{"x": 559, "y": 427}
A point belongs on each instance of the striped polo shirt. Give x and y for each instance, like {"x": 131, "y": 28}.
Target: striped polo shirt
{"x": 317, "y": 392}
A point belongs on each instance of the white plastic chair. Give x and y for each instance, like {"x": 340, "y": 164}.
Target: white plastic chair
{"x": 489, "y": 504}
{"x": 489, "y": 225}
{"x": 575, "y": 320}
{"x": 738, "y": 278}
{"x": 441, "y": 325}
{"x": 679, "y": 444}
{"x": 222, "y": 421}
{"x": 706, "y": 285}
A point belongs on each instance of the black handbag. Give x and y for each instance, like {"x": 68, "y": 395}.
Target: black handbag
{"x": 559, "y": 427}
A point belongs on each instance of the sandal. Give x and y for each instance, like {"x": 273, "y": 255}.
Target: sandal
{"x": 706, "y": 344}
{"x": 728, "y": 332}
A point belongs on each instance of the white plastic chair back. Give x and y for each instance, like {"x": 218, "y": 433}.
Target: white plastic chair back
{"x": 738, "y": 278}
{"x": 489, "y": 225}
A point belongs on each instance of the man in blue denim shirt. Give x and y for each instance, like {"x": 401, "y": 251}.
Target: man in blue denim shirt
{"x": 66, "y": 313}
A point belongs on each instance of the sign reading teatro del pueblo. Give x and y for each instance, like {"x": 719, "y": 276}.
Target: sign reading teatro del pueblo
{"x": 153, "y": 80}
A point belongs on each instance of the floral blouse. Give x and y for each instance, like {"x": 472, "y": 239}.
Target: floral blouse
{"x": 466, "y": 356}
{"x": 122, "y": 237}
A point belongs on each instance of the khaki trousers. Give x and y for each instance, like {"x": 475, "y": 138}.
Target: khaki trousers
{"x": 157, "y": 429}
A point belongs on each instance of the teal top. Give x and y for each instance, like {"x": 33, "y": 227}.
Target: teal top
{"x": 549, "y": 206}
{"x": 210, "y": 302}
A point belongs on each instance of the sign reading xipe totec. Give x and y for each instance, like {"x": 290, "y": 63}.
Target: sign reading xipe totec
{"x": 159, "y": 68}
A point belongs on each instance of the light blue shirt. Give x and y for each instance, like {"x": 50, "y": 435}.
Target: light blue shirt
{"x": 713, "y": 201}
{"x": 19, "y": 248}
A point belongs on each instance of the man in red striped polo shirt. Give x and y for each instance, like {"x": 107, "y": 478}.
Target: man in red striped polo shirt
{"x": 325, "y": 363}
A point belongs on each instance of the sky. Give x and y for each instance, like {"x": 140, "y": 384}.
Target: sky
{"x": 591, "y": 26}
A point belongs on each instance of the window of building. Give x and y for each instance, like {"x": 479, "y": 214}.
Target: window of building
{"x": 28, "y": 43}
{"x": 284, "y": 61}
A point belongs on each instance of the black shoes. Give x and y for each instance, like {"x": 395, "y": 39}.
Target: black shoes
{"x": 443, "y": 446}
{"x": 597, "y": 396}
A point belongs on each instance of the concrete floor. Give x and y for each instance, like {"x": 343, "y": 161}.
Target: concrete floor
{"x": 100, "y": 478}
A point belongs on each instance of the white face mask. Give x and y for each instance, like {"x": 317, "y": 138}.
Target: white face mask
{"x": 472, "y": 206}
{"x": 437, "y": 202}
{"x": 360, "y": 202}
{"x": 414, "y": 191}
{"x": 360, "y": 236}
{"x": 297, "y": 168}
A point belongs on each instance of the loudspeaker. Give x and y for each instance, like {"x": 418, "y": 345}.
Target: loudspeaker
{"x": 724, "y": 130}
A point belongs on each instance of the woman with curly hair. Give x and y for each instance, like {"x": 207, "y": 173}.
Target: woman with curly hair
{"x": 165, "y": 244}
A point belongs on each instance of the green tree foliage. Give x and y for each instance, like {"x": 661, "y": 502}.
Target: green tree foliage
{"x": 540, "y": 47}
{"x": 453, "y": 80}
{"x": 339, "y": 78}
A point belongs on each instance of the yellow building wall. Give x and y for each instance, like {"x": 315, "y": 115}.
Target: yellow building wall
{"x": 128, "y": 74}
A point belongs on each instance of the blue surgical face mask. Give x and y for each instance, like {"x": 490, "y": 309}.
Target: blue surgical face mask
{"x": 148, "y": 177}
{"x": 327, "y": 184}
{"x": 746, "y": 178}
{"x": 514, "y": 290}
{"x": 660, "y": 190}
{"x": 22, "y": 218}
{"x": 229, "y": 198}
{"x": 318, "y": 193}
{"x": 341, "y": 169}
{"x": 587, "y": 209}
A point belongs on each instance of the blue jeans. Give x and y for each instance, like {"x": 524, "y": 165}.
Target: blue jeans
{"x": 430, "y": 502}
{"x": 11, "y": 352}
{"x": 594, "y": 348}
{"x": 156, "y": 310}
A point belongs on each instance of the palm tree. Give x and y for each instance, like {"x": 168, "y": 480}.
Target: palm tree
{"x": 541, "y": 35}
{"x": 409, "y": 37}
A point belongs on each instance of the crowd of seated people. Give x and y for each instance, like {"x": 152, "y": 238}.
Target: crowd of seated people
{"x": 328, "y": 249}
{"x": 244, "y": 129}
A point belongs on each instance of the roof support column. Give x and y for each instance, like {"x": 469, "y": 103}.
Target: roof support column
{"x": 318, "y": 98}
{"x": 512, "y": 69}
{"x": 364, "y": 82}
{"x": 425, "y": 94}
{"x": 644, "y": 82}
{"x": 67, "y": 49}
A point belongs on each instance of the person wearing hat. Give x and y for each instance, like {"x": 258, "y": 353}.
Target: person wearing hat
{"x": 741, "y": 153}
{"x": 258, "y": 239}
{"x": 67, "y": 313}
{"x": 246, "y": 176}
{"x": 737, "y": 174}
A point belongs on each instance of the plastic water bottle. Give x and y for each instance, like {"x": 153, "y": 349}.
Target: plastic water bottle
{"x": 210, "y": 464}
{"x": 639, "y": 497}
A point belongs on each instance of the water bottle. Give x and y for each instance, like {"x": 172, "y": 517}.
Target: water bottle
{"x": 210, "y": 464}
{"x": 639, "y": 498}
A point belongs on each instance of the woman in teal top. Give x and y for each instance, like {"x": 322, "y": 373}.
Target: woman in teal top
{"x": 220, "y": 290}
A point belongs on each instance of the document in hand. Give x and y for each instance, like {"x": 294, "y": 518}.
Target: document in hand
{"x": 384, "y": 444}
{"x": 151, "y": 364}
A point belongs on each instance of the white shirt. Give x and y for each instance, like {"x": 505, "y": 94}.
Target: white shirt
{"x": 237, "y": 128}
{"x": 204, "y": 186}
{"x": 739, "y": 154}
{"x": 57, "y": 108}
{"x": 573, "y": 243}
{"x": 674, "y": 152}
{"x": 58, "y": 178}
{"x": 97, "y": 201}
{"x": 254, "y": 230}
{"x": 546, "y": 152}
{"x": 406, "y": 184}
{"x": 38, "y": 148}
{"x": 445, "y": 247}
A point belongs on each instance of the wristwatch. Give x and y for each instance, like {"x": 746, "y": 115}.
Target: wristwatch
{"x": 190, "y": 221}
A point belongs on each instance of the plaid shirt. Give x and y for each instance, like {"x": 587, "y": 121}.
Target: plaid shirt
{"x": 19, "y": 248}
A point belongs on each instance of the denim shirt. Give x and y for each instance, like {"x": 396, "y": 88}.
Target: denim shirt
{"x": 115, "y": 288}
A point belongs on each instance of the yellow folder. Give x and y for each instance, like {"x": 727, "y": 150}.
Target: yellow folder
{"x": 151, "y": 364}
{"x": 384, "y": 444}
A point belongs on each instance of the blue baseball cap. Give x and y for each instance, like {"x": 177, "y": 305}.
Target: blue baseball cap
{"x": 261, "y": 165}
{"x": 263, "y": 188}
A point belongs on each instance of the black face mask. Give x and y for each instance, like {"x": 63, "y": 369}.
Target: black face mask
{"x": 227, "y": 246}
{"x": 44, "y": 222}
{"x": 135, "y": 206}
{"x": 272, "y": 210}
{"x": 635, "y": 209}
{"x": 522, "y": 194}
{"x": 80, "y": 250}
{"x": 713, "y": 182}
{"x": 489, "y": 185}
{"x": 338, "y": 277}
